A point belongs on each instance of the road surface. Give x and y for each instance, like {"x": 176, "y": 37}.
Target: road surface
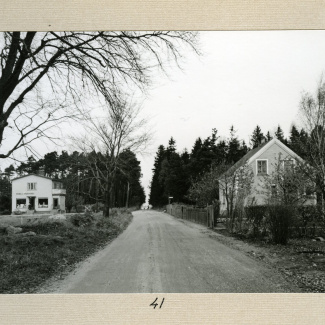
{"x": 159, "y": 253}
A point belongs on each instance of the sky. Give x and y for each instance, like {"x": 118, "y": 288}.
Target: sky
{"x": 242, "y": 79}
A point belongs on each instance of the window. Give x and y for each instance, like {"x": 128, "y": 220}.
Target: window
{"x": 223, "y": 197}
{"x": 21, "y": 203}
{"x": 55, "y": 203}
{"x": 261, "y": 167}
{"x": 31, "y": 186}
{"x": 57, "y": 185}
{"x": 43, "y": 202}
{"x": 287, "y": 165}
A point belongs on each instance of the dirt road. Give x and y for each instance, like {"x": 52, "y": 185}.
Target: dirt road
{"x": 158, "y": 253}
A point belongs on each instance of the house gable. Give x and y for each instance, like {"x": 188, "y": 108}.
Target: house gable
{"x": 269, "y": 155}
{"x": 281, "y": 147}
{"x": 274, "y": 152}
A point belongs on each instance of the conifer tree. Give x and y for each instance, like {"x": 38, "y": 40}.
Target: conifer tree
{"x": 257, "y": 137}
{"x": 234, "y": 151}
{"x": 268, "y": 136}
{"x": 156, "y": 187}
{"x": 279, "y": 135}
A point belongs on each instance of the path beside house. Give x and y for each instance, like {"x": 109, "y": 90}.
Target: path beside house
{"x": 159, "y": 253}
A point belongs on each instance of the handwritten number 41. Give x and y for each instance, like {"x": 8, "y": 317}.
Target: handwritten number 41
{"x": 155, "y": 304}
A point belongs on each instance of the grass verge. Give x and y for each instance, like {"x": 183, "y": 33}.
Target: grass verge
{"x": 301, "y": 261}
{"x": 26, "y": 262}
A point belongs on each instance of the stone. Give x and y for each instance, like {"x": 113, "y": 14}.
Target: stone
{"x": 13, "y": 230}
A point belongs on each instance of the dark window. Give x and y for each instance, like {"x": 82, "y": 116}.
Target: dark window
{"x": 261, "y": 167}
{"x": 21, "y": 203}
{"x": 43, "y": 203}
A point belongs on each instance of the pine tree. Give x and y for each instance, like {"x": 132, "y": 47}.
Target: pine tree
{"x": 268, "y": 136}
{"x": 257, "y": 137}
{"x": 280, "y": 136}
{"x": 234, "y": 153}
{"x": 156, "y": 187}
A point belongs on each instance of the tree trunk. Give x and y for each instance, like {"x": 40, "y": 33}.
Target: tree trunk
{"x": 107, "y": 199}
{"x": 127, "y": 196}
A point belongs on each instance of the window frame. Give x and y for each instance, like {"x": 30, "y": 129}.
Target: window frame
{"x": 21, "y": 199}
{"x": 31, "y": 186}
{"x": 267, "y": 167}
{"x": 42, "y": 198}
{"x": 286, "y": 160}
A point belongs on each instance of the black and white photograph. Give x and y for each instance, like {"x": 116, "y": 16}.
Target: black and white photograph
{"x": 162, "y": 162}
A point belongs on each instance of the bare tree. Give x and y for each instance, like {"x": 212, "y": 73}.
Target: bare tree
{"x": 45, "y": 75}
{"x": 312, "y": 109}
{"x": 105, "y": 140}
{"x": 288, "y": 184}
{"x": 236, "y": 185}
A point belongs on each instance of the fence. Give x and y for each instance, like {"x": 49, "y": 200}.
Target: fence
{"x": 203, "y": 216}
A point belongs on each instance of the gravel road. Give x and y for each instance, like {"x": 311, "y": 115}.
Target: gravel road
{"x": 159, "y": 253}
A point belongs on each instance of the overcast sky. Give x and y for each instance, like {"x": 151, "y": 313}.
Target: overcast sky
{"x": 242, "y": 79}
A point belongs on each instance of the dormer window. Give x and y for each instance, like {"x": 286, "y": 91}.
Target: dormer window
{"x": 261, "y": 166}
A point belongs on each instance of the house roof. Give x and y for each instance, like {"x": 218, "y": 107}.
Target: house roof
{"x": 52, "y": 179}
{"x": 246, "y": 158}
{"x": 256, "y": 152}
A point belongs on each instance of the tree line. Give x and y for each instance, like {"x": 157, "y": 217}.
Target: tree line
{"x": 190, "y": 177}
{"x": 76, "y": 171}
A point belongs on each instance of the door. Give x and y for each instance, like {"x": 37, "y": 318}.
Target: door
{"x": 31, "y": 205}
{"x": 55, "y": 203}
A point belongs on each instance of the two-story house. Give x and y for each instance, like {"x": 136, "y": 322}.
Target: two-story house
{"x": 37, "y": 193}
{"x": 262, "y": 162}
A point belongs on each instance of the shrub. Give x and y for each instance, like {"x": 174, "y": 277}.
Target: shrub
{"x": 255, "y": 216}
{"x": 80, "y": 208}
{"x": 5, "y": 212}
{"x": 97, "y": 207}
{"x": 279, "y": 220}
{"x": 81, "y": 220}
{"x": 307, "y": 214}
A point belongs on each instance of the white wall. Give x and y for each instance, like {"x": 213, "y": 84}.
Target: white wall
{"x": 43, "y": 190}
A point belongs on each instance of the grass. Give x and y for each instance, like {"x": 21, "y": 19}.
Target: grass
{"x": 26, "y": 262}
{"x": 301, "y": 261}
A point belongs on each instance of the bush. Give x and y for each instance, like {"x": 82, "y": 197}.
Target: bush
{"x": 81, "y": 220}
{"x": 97, "y": 207}
{"x": 5, "y": 212}
{"x": 255, "y": 216}
{"x": 80, "y": 208}
{"x": 279, "y": 220}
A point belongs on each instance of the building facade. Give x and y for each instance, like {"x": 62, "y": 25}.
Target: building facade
{"x": 262, "y": 161}
{"x": 37, "y": 193}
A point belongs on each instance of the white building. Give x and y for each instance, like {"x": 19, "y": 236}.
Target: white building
{"x": 39, "y": 193}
